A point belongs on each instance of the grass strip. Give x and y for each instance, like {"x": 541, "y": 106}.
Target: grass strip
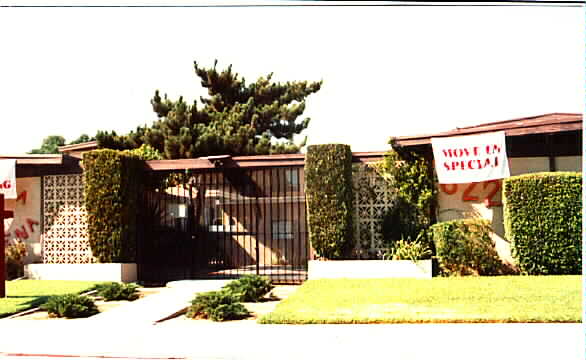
{"x": 438, "y": 300}
{"x": 26, "y": 294}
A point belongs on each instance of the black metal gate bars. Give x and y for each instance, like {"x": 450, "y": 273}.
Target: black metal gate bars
{"x": 223, "y": 223}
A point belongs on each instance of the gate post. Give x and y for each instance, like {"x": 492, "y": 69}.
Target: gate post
{"x": 4, "y": 214}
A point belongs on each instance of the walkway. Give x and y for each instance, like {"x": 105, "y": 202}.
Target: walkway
{"x": 153, "y": 308}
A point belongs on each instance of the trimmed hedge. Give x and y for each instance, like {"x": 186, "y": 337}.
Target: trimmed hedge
{"x": 464, "y": 247}
{"x": 543, "y": 221}
{"x": 328, "y": 189}
{"x": 111, "y": 190}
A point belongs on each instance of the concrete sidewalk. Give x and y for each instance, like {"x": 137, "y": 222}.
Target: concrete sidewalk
{"x": 248, "y": 340}
{"x": 153, "y": 308}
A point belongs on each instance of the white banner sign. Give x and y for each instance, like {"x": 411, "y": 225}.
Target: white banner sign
{"x": 474, "y": 158}
{"x": 8, "y": 178}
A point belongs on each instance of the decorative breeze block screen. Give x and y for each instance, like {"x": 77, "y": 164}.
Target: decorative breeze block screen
{"x": 65, "y": 236}
{"x": 373, "y": 196}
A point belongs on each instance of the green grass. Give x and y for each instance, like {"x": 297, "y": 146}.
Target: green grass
{"x": 438, "y": 300}
{"x": 25, "y": 294}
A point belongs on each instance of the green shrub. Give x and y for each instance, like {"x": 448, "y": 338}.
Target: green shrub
{"x": 70, "y": 306}
{"x": 117, "y": 291}
{"x": 111, "y": 189}
{"x": 249, "y": 288}
{"x": 408, "y": 250}
{"x": 543, "y": 222}
{"x": 14, "y": 254}
{"x": 217, "y": 306}
{"x": 464, "y": 247}
{"x": 412, "y": 212}
{"x": 328, "y": 189}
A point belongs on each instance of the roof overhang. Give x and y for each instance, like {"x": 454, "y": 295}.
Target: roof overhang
{"x": 543, "y": 124}
{"x": 33, "y": 165}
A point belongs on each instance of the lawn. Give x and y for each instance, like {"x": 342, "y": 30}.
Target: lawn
{"x": 26, "y": 294}
{"x": 438, "y": 300}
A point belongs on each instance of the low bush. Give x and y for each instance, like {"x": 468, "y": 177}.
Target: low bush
{"x": 14, "y": 254}
{"x": 543, "y": 221}
{"x": 249, "y": 288}
{"x": 464, "y": 247}
{"x": 70, "y": 306}
{"x": 217, "y": 306}
{"x": 408, "y": 250}
{"x": 113, "y": 291}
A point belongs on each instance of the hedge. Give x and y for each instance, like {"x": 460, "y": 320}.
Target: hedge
{"x": 111, "y": 190}
{"x": 543, "y": 221}
{"x": 328, "y": 189}
{"x": 464, "y": 247}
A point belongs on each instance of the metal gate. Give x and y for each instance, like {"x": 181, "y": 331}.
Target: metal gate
{"x": 223, "y": 223}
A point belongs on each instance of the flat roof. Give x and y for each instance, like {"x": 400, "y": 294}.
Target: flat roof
{"x": 255, "y": 161}
{"x": 86, "y": 146}
{"x": 541, "y": 124}
{"x": 35, "y": 159}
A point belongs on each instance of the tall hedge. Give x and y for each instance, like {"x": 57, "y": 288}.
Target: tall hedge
{"x": 543, "y": 221}
{"x": 111, "y": 189}
{"x": 328, "y": 189}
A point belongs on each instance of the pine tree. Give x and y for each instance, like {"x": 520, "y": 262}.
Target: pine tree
{"x": 235, "y": 118}
{"x": 50, "y": 145}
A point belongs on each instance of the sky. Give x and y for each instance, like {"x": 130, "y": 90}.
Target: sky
{"x": 386, "y": 71}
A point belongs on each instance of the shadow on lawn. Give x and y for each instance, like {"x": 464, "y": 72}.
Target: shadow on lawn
{"x": 31, "y": 304}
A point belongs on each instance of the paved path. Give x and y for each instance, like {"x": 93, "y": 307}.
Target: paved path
{"x": 130, "y": 333}
{"x": 150, "y": 309}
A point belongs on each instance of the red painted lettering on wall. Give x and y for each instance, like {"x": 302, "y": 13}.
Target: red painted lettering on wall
{"x": 22, "y": 197}
{"x": 20, "y": 233}
{"x": 449, "y": 191}
{"x": 489, "y": 199}
{"x": 6, "y": 184}
{"x": 466, "y": 195}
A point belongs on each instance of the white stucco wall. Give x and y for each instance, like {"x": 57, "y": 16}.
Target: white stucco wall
{"x": 26, "y": 224}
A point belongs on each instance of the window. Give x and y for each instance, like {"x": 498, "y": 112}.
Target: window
{"x": 282, "y": 230}
{"x": 292, "y": 178}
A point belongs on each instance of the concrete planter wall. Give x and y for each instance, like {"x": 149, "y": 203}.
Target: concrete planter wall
{"x": 370, "y": 269}
{"x": 119, "y": 272}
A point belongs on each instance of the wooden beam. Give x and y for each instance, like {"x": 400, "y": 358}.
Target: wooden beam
{"x": 260, "y": 161}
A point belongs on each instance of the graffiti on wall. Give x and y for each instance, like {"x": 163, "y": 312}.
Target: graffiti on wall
{"x": 486, "y": 191}
{"x": 22, "y": 228}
